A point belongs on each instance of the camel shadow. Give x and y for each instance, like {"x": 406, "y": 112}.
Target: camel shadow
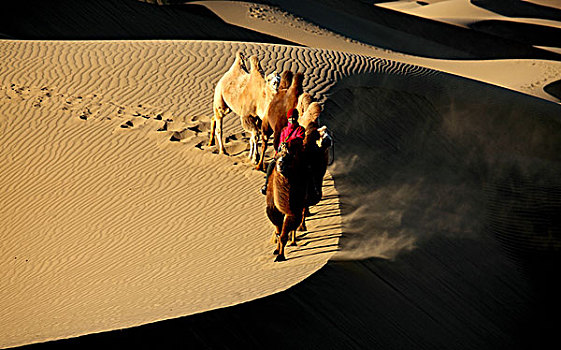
{"x": 331, "y": 196}
{"x": 318, "y": 239}
{"x": 335, "y": 214}
{"x": 312, "y": 251}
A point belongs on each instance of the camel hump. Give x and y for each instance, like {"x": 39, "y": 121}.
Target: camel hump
{"x": 314, "y": 110}
{"x": 255, "y": 65}
{"x": 311, "y": 114}
{"x": 298, "y": 78}
{"x": 297, "y": 83}
{"x": 303, "y": 102}
{"x": 239, "y": 62}
{"x": 286, "y": 79}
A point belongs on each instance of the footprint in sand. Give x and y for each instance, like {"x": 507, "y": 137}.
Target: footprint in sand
{"x": 193, "y": 134}
{"x": 127, "y": 125}
{"x": 184, "y": 134}
{"x": 38, "y": 101}
{"x": 164, "y": 127}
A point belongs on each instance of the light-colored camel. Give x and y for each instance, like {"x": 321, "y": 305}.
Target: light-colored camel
{"x": 226, "y": 95}
{"x": 303, "y": 102}
{"x": 247, "y": 94}
{"x": 308, "y": 110}
{"x": 275, "y": 119}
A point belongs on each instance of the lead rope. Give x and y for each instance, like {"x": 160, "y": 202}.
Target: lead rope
{"x": 332, "y": 153}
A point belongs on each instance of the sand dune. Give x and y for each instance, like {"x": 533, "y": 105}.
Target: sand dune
{"x": 107, "y": 220}
{"x": 439, "y": 226}
{"x": 531, "y": 78}
{"x": 459, "y": 12}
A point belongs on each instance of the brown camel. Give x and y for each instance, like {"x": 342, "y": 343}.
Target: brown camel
{"x": 248, "y": 95}
{"x": 275, "y": 119}
{"x": 286, "y": 195}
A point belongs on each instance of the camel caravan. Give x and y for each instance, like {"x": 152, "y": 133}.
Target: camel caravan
{"x": 276, "y": 105}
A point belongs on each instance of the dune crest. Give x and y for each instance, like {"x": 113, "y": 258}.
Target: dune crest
{"x": 532, "y": 75}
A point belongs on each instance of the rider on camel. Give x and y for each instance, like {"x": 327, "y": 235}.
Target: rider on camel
{"x": 290, "y": 134}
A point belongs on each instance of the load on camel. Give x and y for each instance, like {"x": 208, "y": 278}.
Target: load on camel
{"x": 246, "y": 93}
{"x": 295, "y": 183}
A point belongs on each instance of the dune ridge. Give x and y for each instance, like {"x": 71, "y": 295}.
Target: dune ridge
{"x": 533, "y": 75}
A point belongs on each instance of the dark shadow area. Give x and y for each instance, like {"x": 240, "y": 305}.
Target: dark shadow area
{"x": 519, "y": 8}
{"x": 406, "y": 33}
{"x": 455, "y": 167}
{"x": 118, "y": 20}
{"x": 523, "y": 32}
{"x": 554, "y": 89}
{"x": 476, "y": 167}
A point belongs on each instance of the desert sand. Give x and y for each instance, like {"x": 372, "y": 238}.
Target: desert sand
{"x": 439, "y": 225}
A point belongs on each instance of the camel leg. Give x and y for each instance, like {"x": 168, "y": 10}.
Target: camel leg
{"x": 256, "y": 147}
{"x": 260, "y": 165}
{"x": 212, "y": 131}
{"x": 253, "y": 152}
{"x": 290, "y": 221}
{"x": 277, "y": 218}
{"x": 221, "y": 149}
{"x": 251, "y": 149}
{"x": 302, "y": 226}
{"x": 293, "y": 238}
{"x": 274, "y": 239}
{"x": 297, "y": 219}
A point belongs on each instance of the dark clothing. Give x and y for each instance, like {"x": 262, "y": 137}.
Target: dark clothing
{"x": 270, "y": 167}
{"x": 290, "y": 133}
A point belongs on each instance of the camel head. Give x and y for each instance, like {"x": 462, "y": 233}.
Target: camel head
{"x": 286, "y": 80}
{"x": 284, "y": 160}
{"x": 273, "y": 80}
